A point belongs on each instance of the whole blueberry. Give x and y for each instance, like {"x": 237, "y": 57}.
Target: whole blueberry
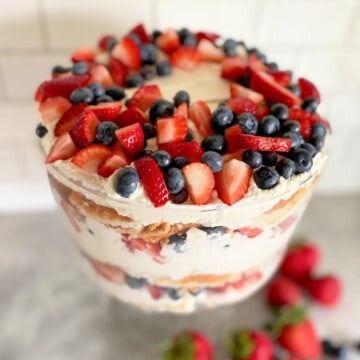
{"x": 134, "y": 80}
{"x": 290, "y": 125}
{"x": 178, "y": 241}
{"x": 214, "y": 142}
{"x": 162, "y": 158}
{"x": 296, "y": 139}
{"x": 195, "y": 291}
{"x": 213, "y": 159}
{"x": 58, "y": 69}
{"x": 180, "y": 161}
{"x": 302, "y": 160}
{"x": 180, "y": 97}
{"x": 286, "y": 168}
{"x": 266, "y": 178}
{"x": 134, "y": 282}
{"x": 269, "y": 158}
{"x": 187, "y": 37}
{"x": 311, "y": 149}
{"x": 229, "y": 47}
{"x": 163, "y": 68}
{"x": 318, "y": 141}
{"x": 41, "y": 130}
{"x": 248, "y": 123}
{"x": 103, "y": 98}
{"x": 174, "y": 180}
{"x": 142, "y": 153}
{"x": 159, "y": 109}
{"x": 213, "y": 230}
{"x": 116, "y": 92}
{"x": 318, "y": 129}
{"x": 330, "y": 349}
{"x": 82, "y": 95}
{"x": 180, "y": 197}
{"x": 126, "y": 181}
{"x": 309, "y": 104}
{"x": 269, "y": 125}
{"x": 261, "y": 56}
{"x": 149, "y": 130}
{"x": 110, "y": 44}
{"x": 252, "y": 158}
{"x": 147, "y": 72}
{"x": 174, "y": 293}
{"x": 80, "y": 68}
{"x": 97, "y": 89}
{"x": 105, "y": 133}
{"x": 294, "y": 88}
{"x": 148, "y": 54}
{"x": 155, "y": 34}
{"x": 281, "y": 111}
{"x": 221, "y": 118}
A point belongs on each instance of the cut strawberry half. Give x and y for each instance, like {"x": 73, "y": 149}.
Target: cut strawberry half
{"x": 53, "y": 109}
{"x": 91, "y": 157}
{"x": 264, "y": 83}
{"x": 262, "y": 143}
{"x": 84, "y": 131}
{"x": 168, "y": 41}
{"x": 261, "y": 111}
{"x": 145, "y": 96}
{"x": 209, "y": 52}
{"x": 109, "y": 272}
{"x": 104, "y": 41}
{"x": 156, "y": 292}
{"x": 140, "y": 31}
{"x": 255, "y": 63}
{"x": 69, "y": 118}
{"x": 182, "y": 110}
{"x": 153, "y": 180}
{"x": 232, "y": 182}
{"x": 63, "y": 148}
{"x": 192, "y": 150}
{"x": 63, "y": 86}
{"x": 131, "y": 137}
{"x": 107, "y": 111}
{"x": 315, "y": 118}
{"x": 206, "y": 35}
{"x": 250, "y": 231}
{"x": 281, "y": 77}
{"x": 171, "y": 129}
{"x": 130, "y": 116}
{"x": 112, "y": 163}
{"x": 234, "y": 155}
{"x": 200, "y": 114}
{"x": 127, "y": 51}
{"x": 199, "y": 182}
{"x": 99, "y": 73}
{"x": 234, "y": 67}
{"x": 237, "y": 91}
{"x": 241, "y": 105}
{"x": 85, "y": 53}
{"x": 118, "y": 71}
{"x": 231, "y": 136}
{"x": 308, "y": 89}
{"x": 185, "y": 58}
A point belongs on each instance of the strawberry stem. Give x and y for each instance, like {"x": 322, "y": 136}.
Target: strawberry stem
{"x": 240, "y": 345}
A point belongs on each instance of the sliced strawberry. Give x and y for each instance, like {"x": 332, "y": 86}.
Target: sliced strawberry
{"x": 234, "y": 67}
{"x": 263, "y": 143}
{"x": 240, "y": 105}
{"x": 91, "y": 157}
{"x": 53, "y": 109}
{"x": 185, "y": 58}
{"x": 281, "y": 77}
{"x": 304, "y": 118}
{"x": 64, "y": 74}
{"x": 308, "y": 89}
{"x": 107, "y": 111}
{"x": 199, "y": 182}
{"x": 315, "y": 118}
{"x": 63, "y": 148}
{"x": 168, "y": 41}
{"x": 264, "y": 83}
{"x": 235, "y": 155}
{"x": 209, "y": 52}
{"x": 287, "y": 223}
{"x": 255, "y": 63}
{"x": 182, "y": 110}
{"x": 145, "y": 96}
{"x": 99, "y": 73}
{"x": 84, "y": 131}
{"x": 237, "y": 90}
{"x": 69, "y": 118}
{"x": 85, "y": 53}
{"x": 153, "y": 180}
{"x": 231, "y": 136}
{"x": 109, "y": 272}
{"x": 171, "y": 129}
{"x": 232, "y": 182}
{"x": 112, "y": 163}
{"x": 261, "y": 111}
{"x": 104, "y": 41}
{"x": 200, "y": 114}
{"x": 63, "y": 86}
{"x": 250, "y": 231}
{"x": 130, "y": 116}
{"x": 156, "y": 292}
{"x": 191, "y": 150}
{"x": 140, "y": 31}
{"x": 118, "y": 71}
{"x": 131, "y": 137}
{"x": 127, "y": 51}
{"x": 206, "y": 35}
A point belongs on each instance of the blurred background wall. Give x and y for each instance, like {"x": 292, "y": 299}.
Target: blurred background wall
{"x": 318, "y": 39}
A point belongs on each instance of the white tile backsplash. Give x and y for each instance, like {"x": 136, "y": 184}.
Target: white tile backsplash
{"x": 353, "y": 35}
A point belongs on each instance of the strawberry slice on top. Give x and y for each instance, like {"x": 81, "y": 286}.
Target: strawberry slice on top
{"x": 131, "y": 137}
{"x": 185, "y": 58}
{"x": 209, "y": 52}
{"x": 118, "y": 71}
{"x": 145, "y": 96}
{"x": 85, "y": 53}
{"x": 130, "y": 116}
{"x": 127, "y": 51}
{"x": 263, "y": 143}
{"x": 84, "y": 131}
{"x": 69, "y": 118}
{"x": 99, "y": 73}
{"x": 168, "y": 41}
{"x": 140, "y": 31}
{"x": 53, "y": 109}
{"x": 200, "y": 114}
{"x": 191, "y": 150}
{"x": 308, "y": 89}
{"x": 171, "y": 129}
{"x": 63, "y": 148}
{"x": 106, "y": 111}
{"x": 241, "y": 105}
{"x": 237, "y": 90}
{"x": 91, "y": 157}
{"x": 234, "y": 67}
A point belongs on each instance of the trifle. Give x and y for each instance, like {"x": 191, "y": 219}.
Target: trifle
{"x": 182, "y": 162}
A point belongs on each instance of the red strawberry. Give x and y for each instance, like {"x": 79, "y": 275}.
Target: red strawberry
{"x": 250, "y": 231}
{"x": 140, "y": 31}
{"x": 308, "y": 89}
{"x": 317, "y": 118}
{"x": 234, "y": 67}
{"x": 152, "y": 180}
{"x": 262, "y": 143}
{"x": 168, "y": 41}
{"x": 235, "y": 155}
{"x": 104, "y": 41}
{"x": 53, "y": 109}
{"x": 156, "y": 292}
{"x": 283, "y": 291}
{"x": 261, "y": 111}
{"x": 249, "y": 345}
{"x": 231, "y": 136}
{"x": 62, "y": 86}
{"x": 209, "y": 52}
{"x": 303, "y": 118}
{"x": 265, "y": 84}
{"x": 281, "y": 77}
{"x": 107, "y": 111}
{"x": 182, "y": 110}
{"x": 326, "y": 290}
{"x": 237, "y": 91}
{"x": 63, "y": 148}
{"x": 130, "y": 116}
{"x": 191, "y": 150}
{"x": 206, "y": 35}
{"x": 84, "y": 131}
{"x": 232, "y": 182}
{"x": 118, "y": 71}
{"x": 127, "y": 51}
{"x": 200, "y": 114}
{"x": 69, "y": 118}
{"x": 131, "y": 137}
{"x": 300, "y": 261}
{"x": 240, "y": 105}
{"x": 287, "y": 223}
{"x": 99, "y": 73}
{"x": 189, "y": 345}
{"x": 91, "y": 157}
{"x": 145, "y": 96}
{"x": 116, "y": 161}
{"x": 199, "y": 182}
{"x": 185, "y": 58}
{"x": 85, "y": 53}
{"x": 171, "y": 129}
{"x": 256, "y": 64}
{"x": 108, "y": 271}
